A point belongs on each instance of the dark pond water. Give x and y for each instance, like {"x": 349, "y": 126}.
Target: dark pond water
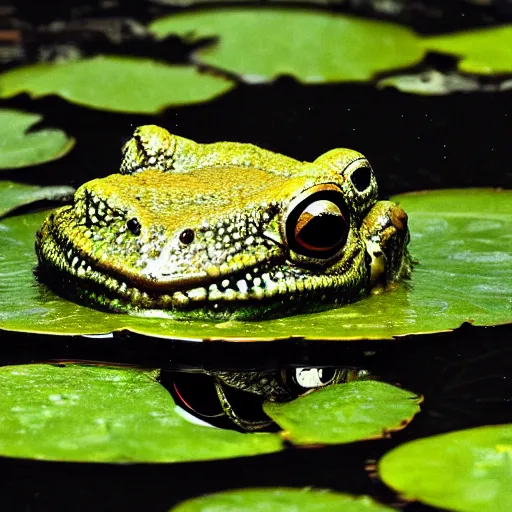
{"x": 413, "y": 142}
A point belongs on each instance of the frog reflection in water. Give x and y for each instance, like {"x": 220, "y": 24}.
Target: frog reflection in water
{"x": 224, "y": 230}
{"x": 238, "y": 396}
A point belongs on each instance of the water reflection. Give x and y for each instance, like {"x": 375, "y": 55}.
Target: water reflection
{"x": 234, "y": 399}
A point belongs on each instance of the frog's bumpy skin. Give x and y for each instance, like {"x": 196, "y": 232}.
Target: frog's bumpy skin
{"x": 236, "y": 199}
{"x": 150, "y": 147}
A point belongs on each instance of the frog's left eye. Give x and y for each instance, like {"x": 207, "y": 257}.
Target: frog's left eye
{"x": 361, "y": 178}
{"x": 318, "y": 225}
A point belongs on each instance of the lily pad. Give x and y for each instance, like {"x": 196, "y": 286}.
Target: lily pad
{"x": 345, "y": 413}
{"x": 484, "y": 52}
{"x": 460, "y": 237}
{"x": 21, "y": 148}
{"x": 13, "y": 195}
{"x": 120, "y": 84}
{"x": 313, "y": 46}
{"x": 467, "y": 471}
{"x": 282, "y": 500}
{"x": 101, "y": 414}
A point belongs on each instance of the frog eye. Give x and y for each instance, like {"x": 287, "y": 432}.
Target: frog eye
{"x": 301, "y": 380}
{"x": 134, "y": 226}
{"x": 319, "y": 225}
{"x": 361, "y": 178}
{"x": 314, "y": 377}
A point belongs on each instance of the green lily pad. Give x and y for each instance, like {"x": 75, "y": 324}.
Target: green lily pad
{"x": 100, "y": 414}
{"x": 345, "y": 413}
{"x": 281, "y": 500}
{"x": 467, "y": 471}
{"x": 484, "y": 52}
{"x": 120, "y": 84}
{"x": 460, "y": 237}
{"x": 21, "y": 149}
{"x": 13, "y": 195}
{"x": 259, "y": 44}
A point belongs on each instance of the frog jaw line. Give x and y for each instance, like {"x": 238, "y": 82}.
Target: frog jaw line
{"x": 247, "y": 287}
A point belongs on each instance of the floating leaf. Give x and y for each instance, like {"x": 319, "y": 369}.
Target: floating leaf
{"x": 86, "y": 413}
{"x": 120, "y": 84}
{"x": 13, "y": 195}
{"x": 21, "y": 149}
{"x": 259, "y": 44}
{"x": 432, "y": 82}
{"x": 460, "y": 237}
{"x": 282, "y": 500}
{"x": 485, "y": 51}
{"x": 345, "y": 413}
{"x": 467, "y": 471}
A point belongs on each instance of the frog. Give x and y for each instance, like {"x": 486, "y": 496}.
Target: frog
{"x": 224, "y": 231}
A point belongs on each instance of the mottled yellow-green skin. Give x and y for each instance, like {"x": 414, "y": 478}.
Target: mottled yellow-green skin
{"x": 212, "y": 232}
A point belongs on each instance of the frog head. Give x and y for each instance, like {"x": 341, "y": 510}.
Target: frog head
{"x": 225, "y": 238}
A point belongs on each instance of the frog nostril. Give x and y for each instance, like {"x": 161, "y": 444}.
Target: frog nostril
{"x": 134, "y": 226}
{"x": 187, "y": 236}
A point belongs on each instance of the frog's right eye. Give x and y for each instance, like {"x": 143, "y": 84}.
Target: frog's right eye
{"x": 318, "y": 223}
{"x": 134, "y": 226}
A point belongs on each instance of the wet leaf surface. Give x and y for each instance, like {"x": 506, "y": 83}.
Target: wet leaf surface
{"x": 467, "y": 470}
{"x": 119, "y": 84}
{"x": 13, "y": 195}
{"x": 345, "y": 413}
{"x": 460, "y": 237}
{"x": 313, "y": 46}
{"x": 22, "y": 146}
{"x": 282, "y": 500}
{"x": 101, "y": 414}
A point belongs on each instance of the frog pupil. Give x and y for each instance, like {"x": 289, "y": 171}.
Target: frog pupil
{"x": 187, "y": 236}
{"x": 322, "y": 233}
{"x": 361, "y": 178}
{"x": 320, "y": 228}
{"x": 134, "y": 226}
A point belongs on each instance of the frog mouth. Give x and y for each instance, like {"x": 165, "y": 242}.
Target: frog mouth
{"x": 273, "y": 284}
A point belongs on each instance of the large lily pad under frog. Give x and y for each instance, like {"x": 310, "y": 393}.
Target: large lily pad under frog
{"x": 225, "y": 230}
{"x": 460, "y": 237}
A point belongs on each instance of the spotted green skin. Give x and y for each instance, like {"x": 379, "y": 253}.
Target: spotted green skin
{"x": 236, "y": 200}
